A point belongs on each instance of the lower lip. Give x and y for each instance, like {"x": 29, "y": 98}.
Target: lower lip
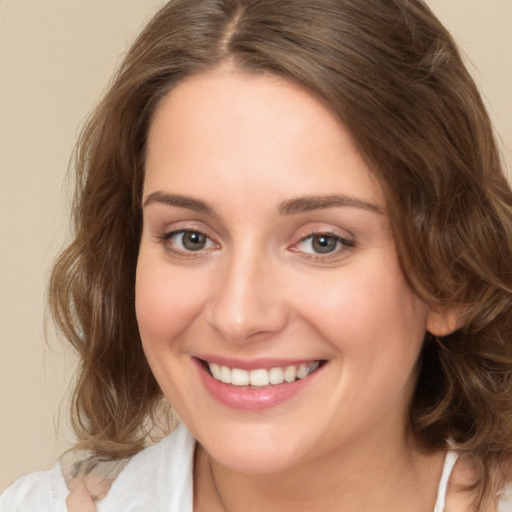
{"x": 244, "y": 398}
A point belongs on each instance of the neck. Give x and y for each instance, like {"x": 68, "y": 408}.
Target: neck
{"x": 389, "y": 477}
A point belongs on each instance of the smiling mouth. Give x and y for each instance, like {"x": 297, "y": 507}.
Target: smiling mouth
{"x": 262, "y": 377}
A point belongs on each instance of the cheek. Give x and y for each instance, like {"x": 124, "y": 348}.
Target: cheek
{"x": 165, "y": 301}
{"x": 370, "y": 309}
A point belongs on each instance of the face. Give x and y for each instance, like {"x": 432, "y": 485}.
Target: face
{"x": 271, "y": 304}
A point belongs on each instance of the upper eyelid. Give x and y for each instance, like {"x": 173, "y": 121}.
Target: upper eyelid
{"x": 162, "y": 231}
{"x": 321, "y": 228}
{"x": 346, "y": 246}
{"x": 166, "y": 234}
{"x": 183, "y": 231}
{"x": 165, "y": 229}
{"x": 198, "y": 226}
{"x": 323, "y": 233}
{"x": 171, "y": 232}
{"x": 347, "y": 242}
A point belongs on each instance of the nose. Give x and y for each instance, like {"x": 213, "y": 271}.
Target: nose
{"x": 247, "y": 302}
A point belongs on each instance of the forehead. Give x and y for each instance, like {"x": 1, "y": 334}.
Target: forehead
{"x": 233, "y": 127}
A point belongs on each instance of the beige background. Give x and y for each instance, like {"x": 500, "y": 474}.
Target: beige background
{"x": 55, "y": 59}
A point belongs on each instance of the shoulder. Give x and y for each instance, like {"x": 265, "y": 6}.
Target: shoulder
{"x": 37, "y": 492}
{"x": 160, "y": 474}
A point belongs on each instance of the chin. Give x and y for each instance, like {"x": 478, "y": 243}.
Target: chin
{"x": 253, "y": 450}
{"x": 252, "y": 461}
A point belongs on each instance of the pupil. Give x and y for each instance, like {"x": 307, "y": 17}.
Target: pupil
{"x": 324, "y": 244}
{"x": 194, "y": 241}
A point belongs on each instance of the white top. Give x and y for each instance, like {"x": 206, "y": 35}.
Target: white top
{"x": 158, "y": 479}
{"x": 449, "y": 463}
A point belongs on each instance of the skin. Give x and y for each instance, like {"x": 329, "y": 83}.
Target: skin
{"x": 244, "y": 146}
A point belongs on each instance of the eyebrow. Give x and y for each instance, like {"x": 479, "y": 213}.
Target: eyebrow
{"x": 289, "y": 207}
{"x": 310, "y": 203}
{"x": 179, "y": 201}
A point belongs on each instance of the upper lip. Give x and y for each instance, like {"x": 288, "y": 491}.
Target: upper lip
{"x": 253, "y": 364}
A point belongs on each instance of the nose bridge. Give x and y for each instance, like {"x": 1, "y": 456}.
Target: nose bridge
{"x": 245, "y": 302}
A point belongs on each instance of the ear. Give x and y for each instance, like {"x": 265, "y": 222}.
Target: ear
{"x": 441, "y": 322}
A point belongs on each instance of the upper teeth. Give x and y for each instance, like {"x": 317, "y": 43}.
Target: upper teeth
{"x": 261, "y": 377}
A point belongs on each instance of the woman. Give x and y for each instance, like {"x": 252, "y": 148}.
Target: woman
{"x": 293, "y": 225}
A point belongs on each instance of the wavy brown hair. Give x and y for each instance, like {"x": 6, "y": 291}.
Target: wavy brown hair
{"x": 395, "y": 78}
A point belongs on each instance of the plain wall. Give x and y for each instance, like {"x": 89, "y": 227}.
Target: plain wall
{"x": 55, "y": 59}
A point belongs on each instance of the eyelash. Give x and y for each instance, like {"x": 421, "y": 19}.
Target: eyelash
{"x": 341, "y": 244}
{"x": 166, "y": 240}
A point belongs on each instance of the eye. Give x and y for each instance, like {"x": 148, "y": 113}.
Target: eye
{"x": 185, "y": 241}
{"x": 319, "y": 244}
